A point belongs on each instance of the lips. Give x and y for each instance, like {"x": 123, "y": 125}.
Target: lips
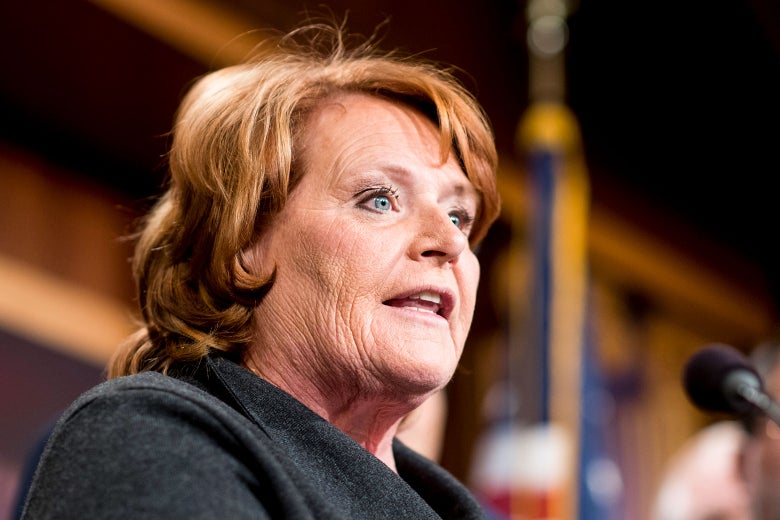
{"x": 433, "y": 301}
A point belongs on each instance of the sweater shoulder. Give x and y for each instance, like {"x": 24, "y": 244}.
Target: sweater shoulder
{"x": 151, "y": 393}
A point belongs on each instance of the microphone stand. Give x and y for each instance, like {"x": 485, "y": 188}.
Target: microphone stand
{"x": 748, "y": 388}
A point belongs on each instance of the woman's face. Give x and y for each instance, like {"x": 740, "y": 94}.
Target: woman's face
{"x": 375, "y": 282}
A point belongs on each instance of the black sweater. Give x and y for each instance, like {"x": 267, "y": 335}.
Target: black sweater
{"x": 223, "y": 443}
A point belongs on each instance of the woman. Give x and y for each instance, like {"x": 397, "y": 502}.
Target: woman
{"x": 306, "y": 281}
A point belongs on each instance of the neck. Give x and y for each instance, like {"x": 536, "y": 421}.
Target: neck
{"x": 373, "y": 425}
{"x": 372, "y": 422}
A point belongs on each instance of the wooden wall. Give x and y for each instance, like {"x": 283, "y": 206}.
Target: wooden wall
{"x": 65, "y": 297}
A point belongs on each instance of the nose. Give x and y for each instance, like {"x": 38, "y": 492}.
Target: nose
{"x": 438, "y": 238}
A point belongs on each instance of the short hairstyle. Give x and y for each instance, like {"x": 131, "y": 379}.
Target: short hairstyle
{"x": 234, "y": 161}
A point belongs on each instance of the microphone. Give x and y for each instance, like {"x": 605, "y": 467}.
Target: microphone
{"x": 719, "y": 378}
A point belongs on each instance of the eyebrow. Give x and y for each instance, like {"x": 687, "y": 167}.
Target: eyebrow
{"x": 463, "y": 187}
{"x": 460, "y": 188}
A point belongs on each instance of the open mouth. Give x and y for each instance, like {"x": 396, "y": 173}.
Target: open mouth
{"x": 424, "y": 301}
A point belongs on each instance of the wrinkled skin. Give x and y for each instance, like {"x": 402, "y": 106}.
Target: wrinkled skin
{"x": 376, "y": 222}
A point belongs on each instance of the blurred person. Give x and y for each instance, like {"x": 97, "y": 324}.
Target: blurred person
{"x": 761, "y": 450}
{"x": 702, "y": 480}
{"x": 306, "y": 281}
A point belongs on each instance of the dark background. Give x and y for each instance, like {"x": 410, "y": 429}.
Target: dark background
{"x": 678, "y": 102}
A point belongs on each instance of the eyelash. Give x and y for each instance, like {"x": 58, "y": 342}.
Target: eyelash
{"x": 370, "y": 194}
{"x": 466, "y": 218}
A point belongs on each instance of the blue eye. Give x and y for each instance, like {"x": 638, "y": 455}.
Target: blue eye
{"x": 462, "y": 219}
{"x": 381, "y": 199}
{"x": 382, "y": 203}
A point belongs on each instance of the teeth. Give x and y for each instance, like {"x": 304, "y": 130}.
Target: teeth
{"x": 427, "y": 296}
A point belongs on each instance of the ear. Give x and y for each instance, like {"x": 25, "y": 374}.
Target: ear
{"x": 258, "y": 258}
{"x": 740, "y": 456}
{"x": 743, "y": 457}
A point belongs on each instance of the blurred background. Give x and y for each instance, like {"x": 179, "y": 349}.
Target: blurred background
{"x": 674, "y": 111}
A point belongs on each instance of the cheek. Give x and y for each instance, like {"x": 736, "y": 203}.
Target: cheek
{"x": 469, "y": 281}
{"x": 338, "y": 258}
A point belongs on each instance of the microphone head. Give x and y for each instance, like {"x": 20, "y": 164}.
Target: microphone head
{"x": 705, "y": 379}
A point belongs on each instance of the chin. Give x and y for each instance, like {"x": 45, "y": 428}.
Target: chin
{"x": 424, "y": 380}
{"x": 418, "y": 366}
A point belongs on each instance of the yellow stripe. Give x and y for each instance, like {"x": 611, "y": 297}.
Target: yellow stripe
{"x": 60, "y": 314}
{"x": 552, "y": 127}
{"x": 209, "y": 33}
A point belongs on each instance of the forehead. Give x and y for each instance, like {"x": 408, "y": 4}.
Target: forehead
{"x": 348, "y": 133}
{"x": 360, "y": 130}
{"x": 359, "y": 117}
